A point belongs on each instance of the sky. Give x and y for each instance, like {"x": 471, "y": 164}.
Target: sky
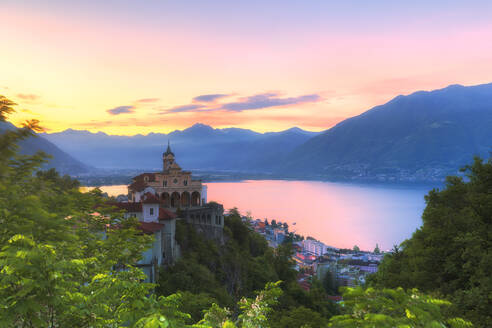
{"x": 128, "y": 67}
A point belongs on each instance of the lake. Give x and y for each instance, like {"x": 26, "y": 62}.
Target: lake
{"x": 339, "y": 214}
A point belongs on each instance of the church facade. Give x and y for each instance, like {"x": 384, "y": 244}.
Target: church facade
{"x": 176, "y": 188}
{"x": 159, "y": 199}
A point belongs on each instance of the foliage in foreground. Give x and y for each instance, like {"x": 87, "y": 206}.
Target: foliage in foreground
{"x": 392, "y": 308}
{"x": 451, "y": 254}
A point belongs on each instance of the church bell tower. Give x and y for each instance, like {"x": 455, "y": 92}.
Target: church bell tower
{"x": 167, "y": 158}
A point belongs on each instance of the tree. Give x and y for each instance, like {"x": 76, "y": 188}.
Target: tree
{"x": 392, "y": 308}
{"x": 356, "y": 248}
{"x": 300, "y": 317}
{"x": 377, "y": 250}
{"x": 330, "y": 283}
{"x": 451, "y": 254}
{"x": 62, "y": 263}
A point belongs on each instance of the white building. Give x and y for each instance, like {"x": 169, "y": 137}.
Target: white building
{"x": 314, "y": 247}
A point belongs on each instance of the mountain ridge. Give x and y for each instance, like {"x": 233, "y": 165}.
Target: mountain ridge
{"x": 440, "y": 129}
{"x": 199, "y": 146}
{"x": 61, "y": 161}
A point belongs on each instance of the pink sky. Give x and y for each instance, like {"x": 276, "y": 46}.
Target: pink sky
{"x": 86, "y": 65}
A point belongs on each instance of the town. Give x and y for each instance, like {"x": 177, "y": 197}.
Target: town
{"x": 314, "y": 259}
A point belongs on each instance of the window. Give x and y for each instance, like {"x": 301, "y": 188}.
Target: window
{"x": 146, "y": 178}
{"x": 164, "y": 183}
{"x": 185, "y": 182}
{"x": 151, "y": 211}
{"x": 175, "y": 181}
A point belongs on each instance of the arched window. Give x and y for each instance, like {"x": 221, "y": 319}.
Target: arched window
{"x": 185, "y": 199}
{"x": 195, "y": 198}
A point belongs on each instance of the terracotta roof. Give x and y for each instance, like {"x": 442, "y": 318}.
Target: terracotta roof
{"x": 150, "y": 175}
{"x": 129, "y": 207}
{"x": 139, "y": 182}
{"x": 150, "y": 198}
{"x": 166, "y": 214}
{"x": 175, "y": 165}
{"x": 150, "y": 227}
{"x": 138, "y": 185}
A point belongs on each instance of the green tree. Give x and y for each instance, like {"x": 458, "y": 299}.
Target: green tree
{"x": 356, "y": 248}
{"x": 377, "y": 250}
{"x": 62, "y": 263}
{"x": 451, "y": 254}
{"x": 392, "y": 308}
{"x": 300, "y": 317}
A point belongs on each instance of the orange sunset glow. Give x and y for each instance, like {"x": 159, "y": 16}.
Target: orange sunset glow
{"x": 125, "y": 68}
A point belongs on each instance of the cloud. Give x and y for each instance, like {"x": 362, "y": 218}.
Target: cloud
{"x": 147, "y": 100}
{"x": 121, "y": 110}
{"x": 266, "y": 100}
{"x": 258, "y": 101}
{"x": 185, "y": 108}
{"x": 209, "y": 98}
{"x": 28, "y": 96}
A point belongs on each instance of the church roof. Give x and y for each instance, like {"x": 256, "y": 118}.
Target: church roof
{"x": 168, "y": 150}
{"x": 175, "y": 165}
{"x": 166, "y": 214}
{"x": 150, "y": 227}
{"x": 138, "y": 185}
{"x": 150, "y": 198}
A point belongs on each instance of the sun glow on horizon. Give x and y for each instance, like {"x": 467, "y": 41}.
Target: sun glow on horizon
{"x": 133, "y": 68}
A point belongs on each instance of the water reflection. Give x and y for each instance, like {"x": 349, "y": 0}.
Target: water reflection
{"x": 341, "y": 215}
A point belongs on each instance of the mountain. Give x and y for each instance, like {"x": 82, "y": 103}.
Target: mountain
{"x": 424, "y": 133}
{"x": 197, "y": 147}
{"x": 60, "y": 160}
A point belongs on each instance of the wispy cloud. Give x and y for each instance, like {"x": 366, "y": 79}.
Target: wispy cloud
{"x": 267, "y": 100}
{"x": 29, "y": 97}
{"x": 121, "y": 110}
{"x": 147, "y": 100}
{"x": 209, "y": 98}
{"x": 185, "y": 108}
{"x": 255, "y": 102}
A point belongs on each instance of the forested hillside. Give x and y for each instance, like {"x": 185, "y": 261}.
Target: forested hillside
{"x": 451, "y": 254}
{"x": 223, "y": 274}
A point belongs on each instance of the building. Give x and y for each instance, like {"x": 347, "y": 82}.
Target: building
{"x": 314, "y": 247}
{"x": 174, "y": 187}
{"x": 158, "y": 200}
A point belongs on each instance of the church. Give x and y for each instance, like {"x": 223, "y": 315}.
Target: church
{"x": 175, "y": 187}
{"x": 159, "y": 199}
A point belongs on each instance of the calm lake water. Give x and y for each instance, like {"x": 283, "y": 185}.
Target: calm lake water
{"x": 340, "y": 215}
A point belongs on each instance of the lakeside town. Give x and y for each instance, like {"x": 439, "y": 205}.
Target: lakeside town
{"x": 314, "y": 260}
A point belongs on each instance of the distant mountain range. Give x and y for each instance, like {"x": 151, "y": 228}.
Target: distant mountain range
{"x": 198, "y": 147}
{"x": 60, "y": 160}
{"x": 420, "y": 137}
